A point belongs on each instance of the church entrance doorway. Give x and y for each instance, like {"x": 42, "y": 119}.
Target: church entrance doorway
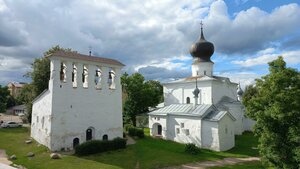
{"x": 89, "y": 134}
{"x": 75, "y": 142}
{"x": 159, "y": 129}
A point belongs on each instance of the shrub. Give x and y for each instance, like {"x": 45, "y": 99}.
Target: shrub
{"x": 132, "y": 131}
{"x": 98, "y": 146}
{"x": 191, "y": 149}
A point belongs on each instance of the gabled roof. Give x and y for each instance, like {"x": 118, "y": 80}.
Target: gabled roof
{"x": 75, "y": 55}
{"x": 217, "y": 115}
{"x": 201, "y": 78}
{"x": 204, "y": 111}
{"x": 184, "y": 109}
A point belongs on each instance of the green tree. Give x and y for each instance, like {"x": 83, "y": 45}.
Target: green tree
{"x": 4, "y": 95}
{"x": 40, "y": 76}
{"x": 140, "y": 95}
{"x": 250, "y": 92}
{"x": 276, "y": 108}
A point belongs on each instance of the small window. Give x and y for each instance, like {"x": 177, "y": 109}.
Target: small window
{"x": 177, "y": 130}
{"x": 37, "y": 119}
{"x": 188, "y": 100}
{"x": 158, "y": 118}
{"x": 187, "y": 132}
{"x": 42, "y": 122}
{"x": 182, "y": 125}
{"x": 226, "y": 130}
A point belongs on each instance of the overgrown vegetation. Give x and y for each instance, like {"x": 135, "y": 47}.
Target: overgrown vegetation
{"x": 274, "y": 104}
{"x": 133, "y": 131}
{"x": 99, "y": 146}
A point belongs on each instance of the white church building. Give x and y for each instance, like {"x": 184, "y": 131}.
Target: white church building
{"x": 203, "y": 109}
{"x": 83, "y": 102}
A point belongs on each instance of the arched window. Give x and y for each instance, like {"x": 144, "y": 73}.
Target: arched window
{"x": 74, "y": 76}
{"x": 75, "y": 142}
{"x": 111, "y": 79}
{"x": 188, "y": 100}
{"x": 63, "y": 72}
{"x": 89, "y": 134}
{"x": 85, "y": 76}
{"x": 105, "y": 137}
{"x": 98, "y": 78}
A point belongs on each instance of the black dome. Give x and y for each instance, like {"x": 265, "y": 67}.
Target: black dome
{"x": 202, "y": 49}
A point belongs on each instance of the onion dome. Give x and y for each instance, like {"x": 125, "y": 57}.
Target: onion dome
{"x": 239, "y": 90}
{"x": 202, "y": 49}
{"x": 196, "y": 91}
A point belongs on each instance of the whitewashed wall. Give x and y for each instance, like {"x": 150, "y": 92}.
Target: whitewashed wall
{"x": 178, "y": 92}
{"x": 248, "y": 124}
{"x": 210, "y": 135}
{"x": 193, "y": 124}
{"x": 74, "y": 110}
{"x": 221, "y": 89}
{"x": 155, "y": 120}
{"x": 41, "y": 119}
{"x": 226, "y": 133}
{"x": 236, "y": 110}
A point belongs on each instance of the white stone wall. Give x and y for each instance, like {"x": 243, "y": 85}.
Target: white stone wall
{"x": 175, "y": 93}
{"x": 41, "y": 119}
{"x": 210, "y": 135}
{"x": 192, "y": 124}
{"x": 202, "y": 68}
{"x": 237, "y": 112}
{"x": 226, "y": 133}
{"x": 248, "y": 124}
{"x": 155, "y": 120}
{"x": 75, "y": 109}
{"x": 221, "y": 89}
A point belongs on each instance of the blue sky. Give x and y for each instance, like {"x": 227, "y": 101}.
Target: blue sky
{"x": 152, "y": 37}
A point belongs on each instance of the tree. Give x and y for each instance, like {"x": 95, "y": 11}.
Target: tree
{"x": 40, "y": 76}
{"x": 250, "y": 92}
{"x": 140, "y": 95}
{"x": 4, "y": 94}
{"x": 276, "y": 108}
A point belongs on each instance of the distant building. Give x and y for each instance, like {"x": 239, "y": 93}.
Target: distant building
{"x": 17, "y": 110}
{"x": 15, "y": 88}
{"x": 83, "y": 102}
{"x": 203, "y": 109}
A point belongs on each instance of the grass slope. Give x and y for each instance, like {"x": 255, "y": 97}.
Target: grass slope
{"x": 146, "y": 153}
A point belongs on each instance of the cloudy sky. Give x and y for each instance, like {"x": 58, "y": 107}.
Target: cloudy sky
{"x": 152, "y": 37}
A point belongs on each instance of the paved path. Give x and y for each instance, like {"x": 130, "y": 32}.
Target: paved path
{"x": 3, "y": 158}
{"x": 207, "y": 164}
{"x": 4, "y": 162}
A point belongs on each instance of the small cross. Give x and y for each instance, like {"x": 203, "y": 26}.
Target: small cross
{"x": 201, "y": 24}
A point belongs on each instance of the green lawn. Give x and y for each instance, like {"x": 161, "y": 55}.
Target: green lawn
{"x": 146, "y": 153}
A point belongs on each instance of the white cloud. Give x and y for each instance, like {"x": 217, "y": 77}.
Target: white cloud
{"x": 138, "y": 33}
{"x": 244, "y": 78}
{"x": 291, "y": 57}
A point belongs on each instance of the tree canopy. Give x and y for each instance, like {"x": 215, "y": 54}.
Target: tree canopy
{"x": 275, "y": 104}
{"x": 140, "y": 95}
{"x": 40, "y": 76}
{"x": 4, "y": 96}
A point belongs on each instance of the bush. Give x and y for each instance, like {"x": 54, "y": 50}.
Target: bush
{"x": 132, "y": 131}
{"x": 191, "y": 149}
{"x": 98, "y": 146}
